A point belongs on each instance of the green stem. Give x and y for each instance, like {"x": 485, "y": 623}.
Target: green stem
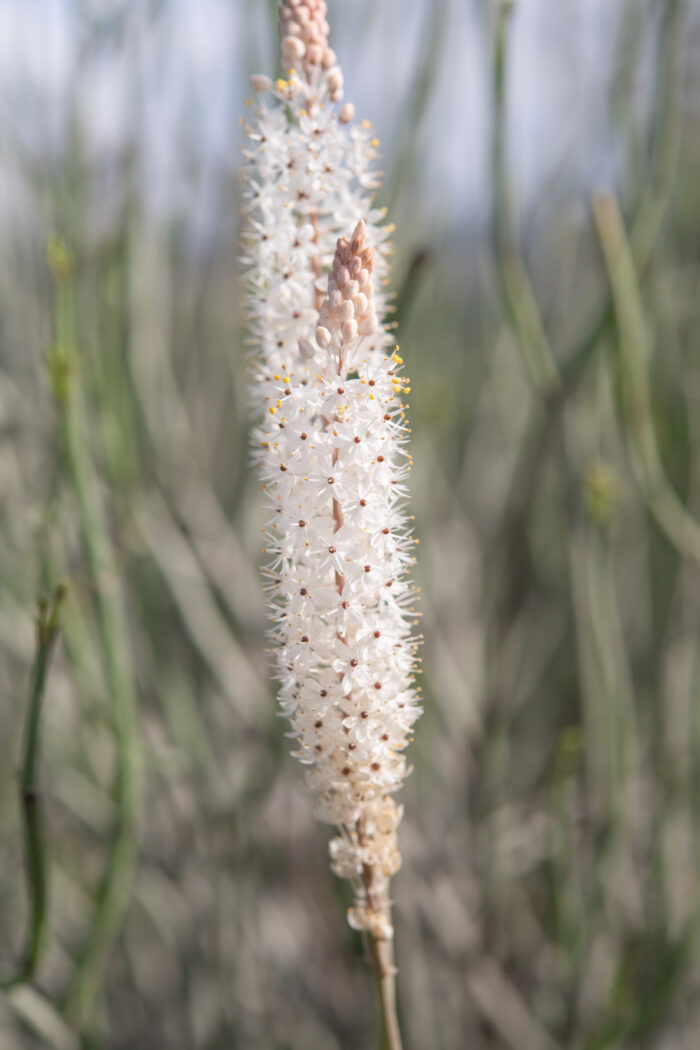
{"x": 671, "y": 515}
{"x": 385, "y": 974}
{"x": 517, "y": 290}
{"x": 47, "y": 628}
{"x": 115, "y": 888}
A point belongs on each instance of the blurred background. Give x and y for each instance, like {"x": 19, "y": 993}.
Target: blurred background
{"x": 541, "y": 165}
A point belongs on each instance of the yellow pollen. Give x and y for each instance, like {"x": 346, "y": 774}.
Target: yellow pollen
{"x": 374, "y": 142}
{"x": 366, "y": 125}
{"x": 272, "y": 410}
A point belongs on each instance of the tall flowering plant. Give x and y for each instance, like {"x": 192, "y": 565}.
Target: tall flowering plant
{"x": 328, "y": 382}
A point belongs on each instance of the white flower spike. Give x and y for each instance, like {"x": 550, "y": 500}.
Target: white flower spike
{"x": 333, "y": 459}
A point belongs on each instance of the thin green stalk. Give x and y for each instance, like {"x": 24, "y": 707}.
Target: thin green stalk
{"x": 47, "y": 629}
{"x": 115, "y": 888}
{"x": 671, "y": 515}
{"x": 419, "y": 97}
{"x": 385, "y": 974}
{"x": 518, "y": 293}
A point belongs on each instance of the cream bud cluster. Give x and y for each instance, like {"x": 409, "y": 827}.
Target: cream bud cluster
{"x": 304, "y": 35}
{"x": 349, "y": 308}
{"x": 334, "y": 467}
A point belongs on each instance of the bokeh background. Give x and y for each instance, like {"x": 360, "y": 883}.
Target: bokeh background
{"x": 542, "y": 166}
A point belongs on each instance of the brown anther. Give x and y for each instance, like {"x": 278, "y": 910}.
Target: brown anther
{"x": 363, "y": 714}
{"x": 331, "y": 550}
{"x": 318, "y": 724}
{"x": 353, "y": 663}
{"x": 385, "y": 736}
{"x": 346, "y": 771}
{"x": 363, "y": 502}
{"x": 357, "y": 440}
{"x": 324, "y": 692}
{"x": 385, "y": 532}
{"x": 282, "y": 467}
{"x": 340, "y": 390}
{"x": 380, "y": 459}
{"x": 303, "y": 591}
{"x": 346, "y": 605}
{"x": 303, "y": 437}
{"x": 304, "y": 637}
{"x": 371, "y": 382}
{"x": 302, "y": 523}
{"x": 375, "y": 766}
{"x": 331, "y": 481}
{"x": 367, "y": 568}
{"x": 377, "y": 634}
{"x": 377, "y": 685}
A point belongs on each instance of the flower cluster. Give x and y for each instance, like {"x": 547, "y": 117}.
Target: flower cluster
{"x": 304, "y": 36}
{"x": 332, "y": 455}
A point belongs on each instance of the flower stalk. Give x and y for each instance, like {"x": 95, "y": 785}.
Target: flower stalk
{"x": 115, "y": 886}
{"x": 328, "y": 382}
{"x": 47, "y": 631}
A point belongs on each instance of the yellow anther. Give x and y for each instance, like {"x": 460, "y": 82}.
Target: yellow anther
{"x": 272, "y": 410}
{"x": 374, "y": 142}
{"x": 366, "y": 125}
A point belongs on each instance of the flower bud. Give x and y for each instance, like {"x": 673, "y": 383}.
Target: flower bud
{"x": 306, "y": 349}
{"x": 323, "y": 337}
{"x": 349, "y": 330}
{"x": 261, "y": 83}
{"x": 293, "y": 48}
